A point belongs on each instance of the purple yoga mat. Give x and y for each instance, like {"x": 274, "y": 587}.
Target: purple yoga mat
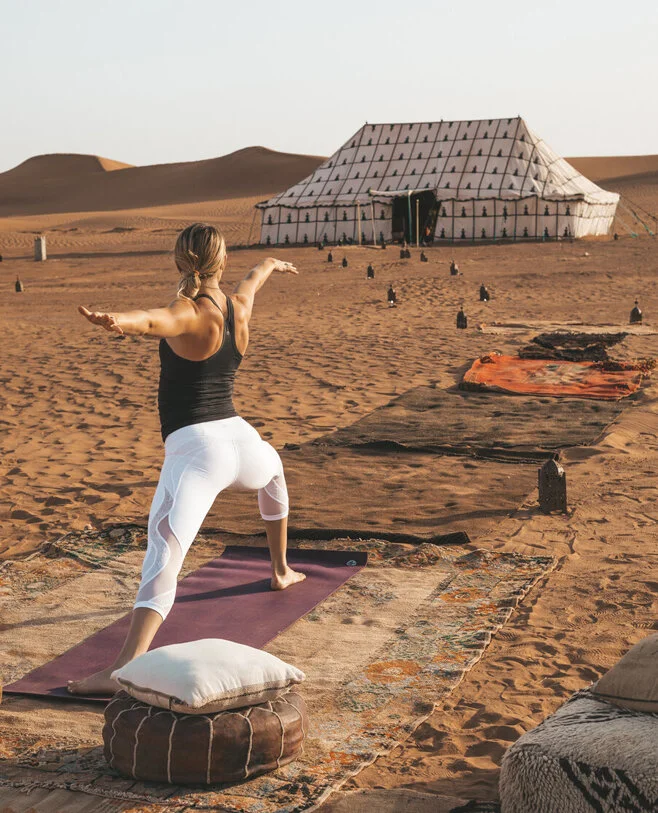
{"x": 229, "y": 597}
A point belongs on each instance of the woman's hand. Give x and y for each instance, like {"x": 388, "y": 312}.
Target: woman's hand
{"x": 282, "y": 267}
{"x": 105, "y": 320}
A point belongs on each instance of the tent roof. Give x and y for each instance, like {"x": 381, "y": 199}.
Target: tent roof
{"x": 462, "y": 160}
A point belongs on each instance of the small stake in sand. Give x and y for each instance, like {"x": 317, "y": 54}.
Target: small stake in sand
{"x": 39, "y": 249}
{"x": 344, "y": 262}
{"x": 18, "y": 286}
{"x": 370, "y": 272}
{"x": 462, "y": 320}
{"x": 330, "y": 257}
{"x": 552, "y": 487}
{"x": 485, "y": 296}
{"x": 636, "y": 314}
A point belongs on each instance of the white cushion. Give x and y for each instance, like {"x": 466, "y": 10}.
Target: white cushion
{"x": 632, "y": 683}
{"x": 201, "y": 677}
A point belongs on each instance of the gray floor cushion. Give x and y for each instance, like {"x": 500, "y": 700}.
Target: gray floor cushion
{"x": 588, "y": 756}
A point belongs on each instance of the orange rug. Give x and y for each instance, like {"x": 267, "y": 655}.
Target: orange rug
{"x": 603, "y": 380}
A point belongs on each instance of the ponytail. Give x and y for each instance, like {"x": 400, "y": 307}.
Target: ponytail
{"x": 200, "y": 253}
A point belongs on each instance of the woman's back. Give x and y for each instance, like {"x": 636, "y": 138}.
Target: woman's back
{"x": 192, "y": 391}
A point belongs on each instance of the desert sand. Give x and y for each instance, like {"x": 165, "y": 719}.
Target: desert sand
{"x": 81, "y": 442}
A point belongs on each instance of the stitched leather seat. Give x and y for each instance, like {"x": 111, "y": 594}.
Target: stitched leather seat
{"x": 146, "y": 742}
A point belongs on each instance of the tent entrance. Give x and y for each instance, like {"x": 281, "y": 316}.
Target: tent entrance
{"x": 400, "y": 223}
{"x": 408, "y": 208}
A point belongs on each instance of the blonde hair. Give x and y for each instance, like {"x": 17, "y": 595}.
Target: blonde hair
{"x": 200, "y": 253}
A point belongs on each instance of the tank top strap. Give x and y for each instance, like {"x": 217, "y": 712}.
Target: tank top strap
{"x": 229, "y": 309}
{"x": 207, "y": 296}
{"x": 231, "y": 314}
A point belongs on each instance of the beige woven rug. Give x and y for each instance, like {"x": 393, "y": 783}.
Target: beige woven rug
{"x": 379, "y": 654}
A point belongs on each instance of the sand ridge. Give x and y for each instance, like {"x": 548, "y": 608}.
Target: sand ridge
{"x": 56, "y": 184}
{"x": 59, "y": 165}
{"x": 604, "y": 168}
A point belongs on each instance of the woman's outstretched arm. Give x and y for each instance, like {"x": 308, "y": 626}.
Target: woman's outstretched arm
{"x": 256, "y": 278}
{"x": 164, "y": 323}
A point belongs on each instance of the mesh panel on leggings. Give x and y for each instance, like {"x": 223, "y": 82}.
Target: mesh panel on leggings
{"x": 162, "y": 563}
{"x": 273, "y": 499}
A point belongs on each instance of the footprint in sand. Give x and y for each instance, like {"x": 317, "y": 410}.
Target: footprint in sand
{"x": 26, "y": 515}
{"x": 90, "y": 499}
{"x": 57, "y": 501}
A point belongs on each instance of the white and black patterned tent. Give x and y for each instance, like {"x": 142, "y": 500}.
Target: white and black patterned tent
{"x": 491, "y": 179}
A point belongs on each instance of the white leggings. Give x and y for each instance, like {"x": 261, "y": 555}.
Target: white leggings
{"x": 200, "y": 461}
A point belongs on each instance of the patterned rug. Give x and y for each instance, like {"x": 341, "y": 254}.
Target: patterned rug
{"x": 603, "y": 380}
{"x": 379, "y": 655}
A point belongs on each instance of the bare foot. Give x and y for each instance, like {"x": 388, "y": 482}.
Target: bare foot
{"x": 280, "y": 582}
{"x": 100, "y": 683}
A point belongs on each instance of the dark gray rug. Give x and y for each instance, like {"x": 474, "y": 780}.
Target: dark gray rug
{"x": 484, "y": 425}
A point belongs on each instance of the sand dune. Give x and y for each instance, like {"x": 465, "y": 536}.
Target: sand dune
{"x": 602, "y": 168}
{"x": 58, "y": 184}
{"x": 59, "y": 165}
{"x": 639, "y": 199}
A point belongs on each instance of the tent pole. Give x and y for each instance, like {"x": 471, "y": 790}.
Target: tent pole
{"x": 411, "y": 234}
{"x": 372, "y": 215}
{"x": 358, "y": 220}
{"x": 557, "y": 220}
{"x": 253, "y": 220}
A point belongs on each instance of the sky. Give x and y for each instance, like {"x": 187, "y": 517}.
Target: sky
{"x": 156, "y": 81}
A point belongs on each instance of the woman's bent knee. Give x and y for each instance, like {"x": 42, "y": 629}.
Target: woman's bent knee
{"x": 273, "y": 499}
{"x": 162, "y": 608}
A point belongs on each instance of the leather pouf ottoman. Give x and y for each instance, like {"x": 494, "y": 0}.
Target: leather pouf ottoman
{"x": 150, "y": 743}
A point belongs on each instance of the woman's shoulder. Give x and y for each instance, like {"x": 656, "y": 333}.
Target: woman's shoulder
{"x": 182, "y": 304}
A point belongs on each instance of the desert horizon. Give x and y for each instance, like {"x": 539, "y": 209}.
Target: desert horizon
{"x": 84, "y": 182}
{"x": 64, "y": 195}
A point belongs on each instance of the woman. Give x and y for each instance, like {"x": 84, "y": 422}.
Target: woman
{"x": 208, "y": 447}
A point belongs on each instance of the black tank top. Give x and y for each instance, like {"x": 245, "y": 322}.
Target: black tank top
{"x": 198, "y": 391}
